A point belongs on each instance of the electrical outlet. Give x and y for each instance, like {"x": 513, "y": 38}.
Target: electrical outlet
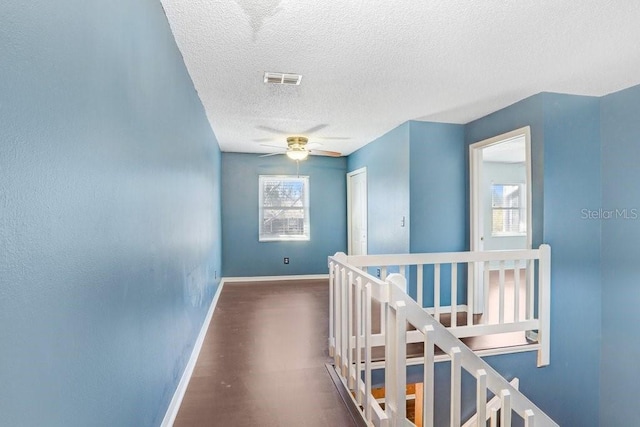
{"x": 286, "y": 260}
{"x": 378, "y": 272}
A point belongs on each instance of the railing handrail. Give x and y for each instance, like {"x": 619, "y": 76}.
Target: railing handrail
{"x": 442, "y": 257}
{"x": 388, "y": 292}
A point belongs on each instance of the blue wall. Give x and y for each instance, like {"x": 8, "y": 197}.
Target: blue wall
{"x": 565, "y": 134}
{"x": 387, "y": 163}
{"x": 243, "y": 255}
{"x": 438, "y": 204}
{"x": 566, "y": 179}
{"x": 620, "y": 129}
{"x": 109, "y": 213}
{"x": 438, "y": 182}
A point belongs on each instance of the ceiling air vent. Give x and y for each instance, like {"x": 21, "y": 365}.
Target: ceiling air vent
{"x": 282, "y": 78}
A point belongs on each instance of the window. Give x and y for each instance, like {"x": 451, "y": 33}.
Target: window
{"x": 508, "y": 210}
{"x": 284, "y": 208}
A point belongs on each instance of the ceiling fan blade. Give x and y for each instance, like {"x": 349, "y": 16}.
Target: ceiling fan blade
{"x": 274, "y": 146}
{"x": 314, "y": 129}
{"x": 325, "y": 153}
{"x": 270, "y": 154}
{"x": 270, "y": 129}
{"x": 335, "y": 138}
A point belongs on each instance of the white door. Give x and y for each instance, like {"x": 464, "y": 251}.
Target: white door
{"x": 498, "y": 163}
{"x": 357, "y": 211}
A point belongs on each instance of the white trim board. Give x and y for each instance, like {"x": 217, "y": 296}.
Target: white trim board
{"x": 231, "y": 280}
{"x": 176, "y": 401}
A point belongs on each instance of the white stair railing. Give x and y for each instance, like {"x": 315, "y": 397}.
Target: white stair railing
{"x": 353, "y": 293}
{"x": 516, "y": 311}
{"x": 492, "y": 406}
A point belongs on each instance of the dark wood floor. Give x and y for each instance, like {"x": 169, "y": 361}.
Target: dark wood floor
{"x": 263, "y": 360}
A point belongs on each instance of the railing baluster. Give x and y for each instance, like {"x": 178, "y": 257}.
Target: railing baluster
{"x": 420, "y": 284}
{"x": 481, "y": 398}
{"x": 403, "y": 270}
{"x": 346, "y": 334}
{"x": 401, "y": 360}
{"x": 383, "y": 320}
{"x": 436, "y": 291}
{"x": 530, "y": 289}
{"x": 367, "y": 351}
{"x": 470, "y": 293}
{"x": 350, "y": 328}
{"x": 486, "y": 284}
{"x": 331, "y": 302}
{"x": 383, "y": 312}
{"x": 544, "y": 305}
{"x": 428, "y": 378}
{"x": 350, "y": 318}
{"x": 395, "y": 367}
{"x": 494, "y": 417}
{"x": 505, "y": 409}
{"x": 358, "y": 333}
{"x": 501, "y": 295}
{"x": 337, "y": 357}
{"x": 454, "y": 295}
{"x": 516, "y": 291}
{"x": 456, "y": 386}
{"x": 529, "y": 418}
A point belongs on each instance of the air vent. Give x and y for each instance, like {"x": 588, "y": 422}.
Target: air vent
{"x": 282, "y": 78}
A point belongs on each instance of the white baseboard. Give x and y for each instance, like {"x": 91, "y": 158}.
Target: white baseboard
{"x": 275, "y": 278}
{"x": 176, "y": 401}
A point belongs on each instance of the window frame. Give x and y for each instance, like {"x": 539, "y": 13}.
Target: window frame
{"x": 306, "y": 222}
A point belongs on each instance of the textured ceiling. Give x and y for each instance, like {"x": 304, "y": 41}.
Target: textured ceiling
{"x": 369, "y": 66}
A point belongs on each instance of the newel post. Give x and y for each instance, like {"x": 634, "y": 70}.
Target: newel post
{"x": 332, "y": 337}
{"x": 544, "y": 305}
{"x": 399, "y": 280}
{"x": 395, "y": 379}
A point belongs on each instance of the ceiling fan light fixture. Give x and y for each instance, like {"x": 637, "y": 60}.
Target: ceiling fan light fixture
{"x": 297, "y": 154}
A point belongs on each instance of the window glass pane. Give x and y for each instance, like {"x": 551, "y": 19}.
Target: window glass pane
{"x": 283, "y": 193}
{"x": 508, "y": 216}
{"x": 283, "y": 222}
{"x": 505, "y": 196}
{"x": 284, "y": 208}
{"x": 506, "y": 221}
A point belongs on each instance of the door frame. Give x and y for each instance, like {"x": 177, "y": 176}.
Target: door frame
{"x": 350, "y": 175}
{"x": 476, "y": 219}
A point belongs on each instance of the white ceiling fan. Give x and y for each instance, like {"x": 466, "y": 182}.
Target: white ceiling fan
{"x": 298, "y": 149}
